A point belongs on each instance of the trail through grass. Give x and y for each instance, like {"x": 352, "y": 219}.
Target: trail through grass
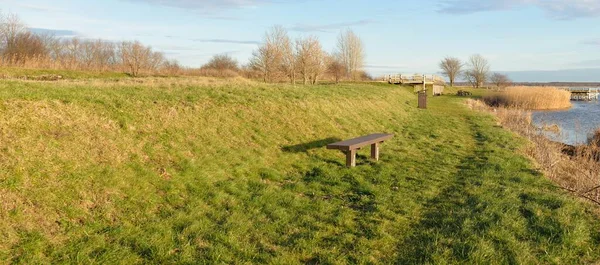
{"x": 212, "y": 171}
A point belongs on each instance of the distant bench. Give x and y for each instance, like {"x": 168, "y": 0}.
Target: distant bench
{"x": 349, "y": 147}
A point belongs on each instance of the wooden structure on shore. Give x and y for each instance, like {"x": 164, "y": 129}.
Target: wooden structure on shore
{"x": 420, "y": 82}
{"x": 584, "y": 94}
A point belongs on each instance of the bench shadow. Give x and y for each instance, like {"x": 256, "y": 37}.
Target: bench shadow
{"x": 305, "y": 147}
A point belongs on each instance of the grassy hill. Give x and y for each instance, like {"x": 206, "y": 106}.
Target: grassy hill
{"x": 175, "y": 170}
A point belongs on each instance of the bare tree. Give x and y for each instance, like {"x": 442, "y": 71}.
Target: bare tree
{"x": 268, "y": 59}
{"x": 351, "y": 53}
{"x": 451, "y": 68}
{"x": 310, "y": 59}
{"x": 288, "y": 57}
{"x": 500, "y": 80}
{"x": 10, "y": 26}
{"x": 137, "y": 57}
{"x": 335, "y": 68}
{"x": 478, "y": 71}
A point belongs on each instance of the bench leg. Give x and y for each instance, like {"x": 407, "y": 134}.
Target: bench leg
{"x": 375, "y": 151}
{"x": 351, "y": 158}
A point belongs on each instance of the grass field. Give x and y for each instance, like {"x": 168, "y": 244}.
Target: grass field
{"x": 21, "y": 73}
{"x": 231, "y": 171}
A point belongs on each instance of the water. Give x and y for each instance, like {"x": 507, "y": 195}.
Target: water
{"x": 576, "y": 124}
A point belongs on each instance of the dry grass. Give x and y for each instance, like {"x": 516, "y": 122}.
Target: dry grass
{"x": 531, "y": 98}
{"x": 576, "y": 169}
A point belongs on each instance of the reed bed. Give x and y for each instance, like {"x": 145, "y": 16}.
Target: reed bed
{"x": 530, "y": 98}
{"x": 573, "y": 168}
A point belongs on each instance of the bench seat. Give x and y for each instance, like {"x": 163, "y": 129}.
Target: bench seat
{"x": 349, "y": 147}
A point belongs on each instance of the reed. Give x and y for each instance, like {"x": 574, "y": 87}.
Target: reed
{"x": 573, "y": 168}
{"x": 530, "y": 98}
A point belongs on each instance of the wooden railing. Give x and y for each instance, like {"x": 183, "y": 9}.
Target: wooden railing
{"x": 414, "y": 79}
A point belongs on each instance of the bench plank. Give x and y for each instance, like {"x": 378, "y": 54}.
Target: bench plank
{"x": 359, "y": 142}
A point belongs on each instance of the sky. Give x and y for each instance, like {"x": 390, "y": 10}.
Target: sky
{"x": 530, "y": 40}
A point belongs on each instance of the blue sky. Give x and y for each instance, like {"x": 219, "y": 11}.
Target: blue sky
{"x": 532, "y": 40}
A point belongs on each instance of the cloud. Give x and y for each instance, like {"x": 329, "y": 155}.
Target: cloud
{"x": 39, "y": 8}
{"x": 212, "y": 4}
{"x": 246, "y": 42}
{"x": 371, "y": 66}
{"x": 329, "y": 27}
{"x": 587, "y": 63}
{"x": 55, "y": 32}
{"x": 566, "y": 75}
{"x": 227, "y": 41}
{"x": 472, "y": 6}
{"x": 556, "y": 9}
{"x": 592, "y": 42}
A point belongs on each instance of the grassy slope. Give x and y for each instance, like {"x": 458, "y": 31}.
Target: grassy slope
{"x": 13, "y": 72}
{"x": 185, "y": 171}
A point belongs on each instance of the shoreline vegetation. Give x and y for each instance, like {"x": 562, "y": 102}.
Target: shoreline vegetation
{"x": 530, "y": 98}
{"x": 573, "y": 168}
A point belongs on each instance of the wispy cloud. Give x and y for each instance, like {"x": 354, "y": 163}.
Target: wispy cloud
{"x": 39, "y": 8}
{"x": 245, "y": 42}
{"x": 55, "y": 32}
{"x": 330, "y": 27}
{"x": 229, "y": 41}
{"x": 212, "y": 4}
{"x": 556, "y": 9}
{"x": 587, "y": 63}
{"x": 385, "y": 67}
{"x": 595, "y": 42}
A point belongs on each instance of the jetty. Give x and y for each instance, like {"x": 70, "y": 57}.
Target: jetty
{"x": 419, "y": 82}
{"x": 584, "y": 94}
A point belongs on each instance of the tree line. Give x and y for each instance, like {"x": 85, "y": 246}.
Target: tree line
{"x": 280, "y": 57}
{"x": 19, "y": 47}
{"x": 276, "y": 59}
{"x": 476, "y": 72}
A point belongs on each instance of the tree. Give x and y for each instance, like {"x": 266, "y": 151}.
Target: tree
{"x": 137, "y": 57}
{"x": 500, "y": 80}
{"x": 10, "y": 27}
{"x": 288, "y": 57}
{"x": 336, "y": 69}
{"x": 351, "y": 53}
{"x": 478, "y": 71}
{"x": 25, "y": 46}
{"x": 451, "y": 68}
{"x": 310, "y": 59}
{"x": 273, "y": 56}
{"x": 222, "y": 62}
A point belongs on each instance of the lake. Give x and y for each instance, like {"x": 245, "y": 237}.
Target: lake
{"x": 576, "y": 124}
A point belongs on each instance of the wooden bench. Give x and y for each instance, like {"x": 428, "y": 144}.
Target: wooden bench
{"x": 349, "y": 147}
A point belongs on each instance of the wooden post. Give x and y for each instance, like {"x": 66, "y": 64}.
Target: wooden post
{"x": 422, "y": 100}
{"x": 375, "y": 151}
{"x": 351, "y": 158}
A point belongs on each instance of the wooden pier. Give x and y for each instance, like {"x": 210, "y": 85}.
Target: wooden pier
{"x": 420, "y": 82}
{"x": 584, "y": 94}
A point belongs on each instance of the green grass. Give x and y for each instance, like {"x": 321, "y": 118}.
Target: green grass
{"x": 210, "y": 171}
